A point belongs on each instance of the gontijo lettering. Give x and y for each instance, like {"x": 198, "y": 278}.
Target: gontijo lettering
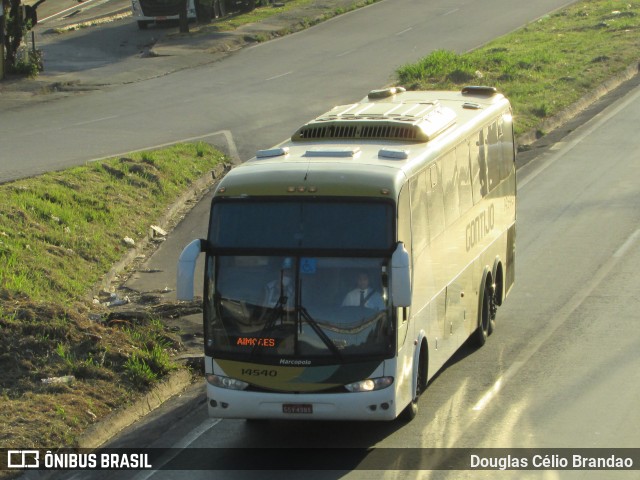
{"x": 480, "y": 226}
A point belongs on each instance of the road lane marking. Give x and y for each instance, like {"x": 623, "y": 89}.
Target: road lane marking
{"x": 627, "y": 245}
{"x": 278, "y": 76}
{"x": 76, "y": 7}
{"x": 450, "y": 12}
{"x": 404, "y": 31}
{"x": 231, "y": 145}
{"x": 184, "y": 442}
{"x": 197, "y": 432}
{"x": 557, "y": 321}
{"x": 96, "y": 120}
{"x": 595, "y": 124}
{"x": 344, "y": 53}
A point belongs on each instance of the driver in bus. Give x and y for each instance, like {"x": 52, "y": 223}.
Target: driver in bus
{"x": 364, "y": 295}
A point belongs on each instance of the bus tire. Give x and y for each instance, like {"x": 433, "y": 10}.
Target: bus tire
{"x": 497, "y": 295}
{"x": 484, "y": 314}
{"x": 411, "y": 410}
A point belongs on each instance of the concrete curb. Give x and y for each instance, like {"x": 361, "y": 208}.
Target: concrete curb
{"x": 199, "y": 188}
{"x": 104, "y": 430}
{"x": 109, "y": 426}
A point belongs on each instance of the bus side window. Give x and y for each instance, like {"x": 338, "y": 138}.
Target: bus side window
{"x": 464, "y": 180}
{"x": 435, "y": 202}
{"x": 478, "y": 167}
{"x": 505, "y": 128}
{"x": 419, "y": 217}
{"x": 404, "y": 219}
{"x": 494, "y": 156}
{"x": 450, "y": 175}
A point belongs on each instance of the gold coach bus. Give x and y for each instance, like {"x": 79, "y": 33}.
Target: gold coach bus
{"x": 347, "y": 264}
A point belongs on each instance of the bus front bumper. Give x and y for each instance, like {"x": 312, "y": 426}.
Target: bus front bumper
{"x": 375, "y": 405}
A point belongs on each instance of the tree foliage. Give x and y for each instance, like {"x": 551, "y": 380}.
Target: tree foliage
{"x": 15, "y": 28}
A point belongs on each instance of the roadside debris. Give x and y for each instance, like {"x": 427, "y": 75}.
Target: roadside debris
{"x": 64, "y": 379}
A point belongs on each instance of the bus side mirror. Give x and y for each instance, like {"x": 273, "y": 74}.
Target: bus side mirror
{"x": 400, "y": 277}
{"x": 187, "y": 268}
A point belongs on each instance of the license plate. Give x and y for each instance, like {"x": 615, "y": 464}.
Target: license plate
{"x": 297, "y": 408}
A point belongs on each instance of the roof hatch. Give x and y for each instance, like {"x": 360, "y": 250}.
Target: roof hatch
{"x": 416, "y": 121}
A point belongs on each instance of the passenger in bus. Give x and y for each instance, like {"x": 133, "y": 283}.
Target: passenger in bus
{"x": 363, "y": 295}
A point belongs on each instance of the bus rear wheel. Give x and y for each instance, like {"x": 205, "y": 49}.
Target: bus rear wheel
{"x": 485, "y": 316}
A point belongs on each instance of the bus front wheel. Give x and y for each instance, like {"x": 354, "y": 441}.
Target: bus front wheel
{"x": 411, "y": 410}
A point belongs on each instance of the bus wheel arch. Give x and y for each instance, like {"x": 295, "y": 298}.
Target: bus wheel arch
{"x": 419, "y": 382}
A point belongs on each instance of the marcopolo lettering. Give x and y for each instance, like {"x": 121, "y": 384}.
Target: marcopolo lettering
{"x": 480, "y": 226}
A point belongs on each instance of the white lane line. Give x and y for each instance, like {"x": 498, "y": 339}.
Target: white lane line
{"x": 404, "y": 31}
{"x": 197, "y": 432}
{"x": 184, "y": 442}
{"x": 540, "y": 166}
{"x": 278, "y": 76}
{"x": 627, "y": 245}
{"x": 231, "y": 145}
{"x": 76, "y": 7}
{"x": 344, "y": 53}
{"x": 556, "y": 322}
{"x": 94, "y": 121}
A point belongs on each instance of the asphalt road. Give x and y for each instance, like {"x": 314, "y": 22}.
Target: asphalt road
{"x": 562, "y": 369}
{"x": 259, "y": 95}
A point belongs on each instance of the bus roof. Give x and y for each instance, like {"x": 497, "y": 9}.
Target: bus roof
{"x": 367, "y": 148}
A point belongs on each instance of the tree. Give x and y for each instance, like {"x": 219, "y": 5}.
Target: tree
{"x": 18, "y": 19}
{"x": 14, "y": 32}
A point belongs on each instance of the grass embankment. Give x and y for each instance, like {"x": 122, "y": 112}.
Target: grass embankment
{"x": 547, "y": 65}
{"x": 59, "y": 234}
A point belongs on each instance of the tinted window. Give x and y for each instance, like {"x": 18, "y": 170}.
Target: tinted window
{"x": 302, "y": 224}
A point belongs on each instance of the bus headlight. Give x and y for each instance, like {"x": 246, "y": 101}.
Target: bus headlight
{"x": 370, "y": 384}
{"x": 226, "y": 382}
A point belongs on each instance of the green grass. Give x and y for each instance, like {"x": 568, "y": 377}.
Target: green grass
{"x": 62, "y": 231}
{"x": 545, "y": 66}
{"x": 59, "y": 234}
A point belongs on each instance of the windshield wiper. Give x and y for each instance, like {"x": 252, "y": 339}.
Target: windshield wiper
{"x": 274, "y": 315}
{"x": 323, "y": 336}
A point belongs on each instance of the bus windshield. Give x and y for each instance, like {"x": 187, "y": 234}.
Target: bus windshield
{"x": 300, "y": 224}
{"x": 274, "y": 308}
